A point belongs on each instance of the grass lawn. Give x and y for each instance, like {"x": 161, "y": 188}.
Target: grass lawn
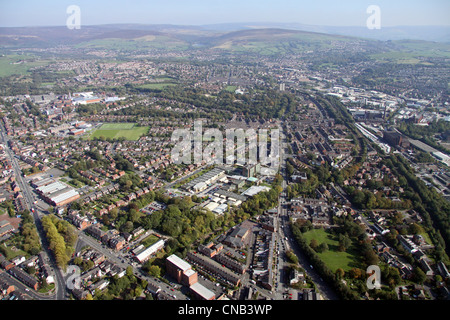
{"x": 157, "y": 85}
{"x": 117, "y": 126}
{"x": 231, "y": 88}
{"x": 116, "y": 130}
{"x": 151, "y": 239}
{"x": 10, "y": 252}
{"x": 19, "y": 64}
{"x": 333, "y": 258}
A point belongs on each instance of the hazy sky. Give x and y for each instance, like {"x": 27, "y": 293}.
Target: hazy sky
{"x": 15, "y": 13}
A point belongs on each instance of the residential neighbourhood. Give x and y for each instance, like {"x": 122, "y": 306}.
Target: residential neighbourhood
{"x": 349, "y": 169}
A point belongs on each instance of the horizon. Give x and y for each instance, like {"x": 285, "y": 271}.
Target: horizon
{"x": 248, "y": 23}
{"x": 350, "y": 13}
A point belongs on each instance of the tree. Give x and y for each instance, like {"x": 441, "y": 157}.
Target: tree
{"x": 419, "y": 276}
{"x": 314, "y": 244}
{"x": 292, "y": 257}
{"x": 126, "y": 227}
{"x": 356, "y": 273}
{"x": 414, "y": 228}
{"x": 340, "y": 273}
{"x": 129, "y": 271}
{"x": 154, "y": 271}
{"x": 344, "y": 242}
{"x": 322, "y": 247}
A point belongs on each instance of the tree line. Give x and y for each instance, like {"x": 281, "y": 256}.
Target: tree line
{"x": 61, "y": 238}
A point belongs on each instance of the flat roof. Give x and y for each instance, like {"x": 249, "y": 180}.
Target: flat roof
{"x": 202, "y": 291}
{"x": 189, "y": 272}
{"x": 66, "y": 195}
{"x": 180, "y": 263}
{"x": 52, "y": 187}
{"x": 150, "y": 250}
{"x": 253, "y": 190}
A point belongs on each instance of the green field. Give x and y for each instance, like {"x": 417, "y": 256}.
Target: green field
{"x": 411, "y": 52}
{"x": 333, "y": 258}
{"x": 129, "y": 131}
{"x": 231, "y": 89}
{"x": 19, "y": 64}
{"x": 151, "y": 239}
{"x": 142, "y": 43}
{"x": 117, "y": 126}
{"x": 157, "y": 85}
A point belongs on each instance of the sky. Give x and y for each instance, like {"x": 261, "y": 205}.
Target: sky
{"x": 17, "y": 13}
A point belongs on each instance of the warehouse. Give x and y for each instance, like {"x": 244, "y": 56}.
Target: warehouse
{"x": 205, "y": 180}
{"x": 57, "y": 193}
{"x": 147, "y": 253}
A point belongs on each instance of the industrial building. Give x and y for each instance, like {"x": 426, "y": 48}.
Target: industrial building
{"x": 201, "y": 183}
{"x": 147, "y": 253}
{"x": 57, "y": 193}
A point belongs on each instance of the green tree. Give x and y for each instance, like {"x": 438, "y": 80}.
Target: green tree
{"x": 322, "y": 247}
{"x": 313, "y": 244}
{"x": 418, "y": 275}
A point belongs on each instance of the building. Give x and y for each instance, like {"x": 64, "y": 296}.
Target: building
{"x": 210, "y": 250}
{"x": 214, "y": 267}
{"x": 230, "y": 263}
{"x": 237, "y": 237}
{"x": 147, "y": 253}
{"x": 181, "y": 270}
{"x": 5, "y": 228}
{"x": 24, "y": 277}
{"x": 57, "y": 193}
{"x": 205, "y": 180}
{"x": 6, "y": 264}
{"x": 395, "y": 139}
{"x": 254, "y": 190}
{"x": 5, "y": 288}
{"x": 251, "y": 170}
{"x": 117, "y": 243}
{"x": 200, "y": 292}
{"x": 80, "y": 222}
{"x": 96, "y": 232}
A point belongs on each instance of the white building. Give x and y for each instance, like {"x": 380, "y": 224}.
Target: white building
{"x": 147, "y": 253}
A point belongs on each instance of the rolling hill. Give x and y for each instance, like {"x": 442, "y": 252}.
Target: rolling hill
{"x": 248, "y": 39}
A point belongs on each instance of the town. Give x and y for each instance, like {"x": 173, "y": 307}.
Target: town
{"x": 89, "y": 182}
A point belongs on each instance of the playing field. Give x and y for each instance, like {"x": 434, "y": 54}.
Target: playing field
{"x": 129, "y": 131}
{"x": 117, "y": 126}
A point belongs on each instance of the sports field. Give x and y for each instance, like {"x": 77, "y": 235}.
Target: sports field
{"x": 129, "y": 131}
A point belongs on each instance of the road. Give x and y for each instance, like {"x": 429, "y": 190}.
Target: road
{"x": 284, "y": 232}
{"x": 123, "y": 260}
{"x": 60, "y": 287}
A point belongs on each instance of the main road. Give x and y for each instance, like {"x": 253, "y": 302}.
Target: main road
{"x": 285, "y": 235}
{"x": 60, "y": 287}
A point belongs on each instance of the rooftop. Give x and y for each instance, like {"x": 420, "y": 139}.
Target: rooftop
{"x": 180, "y": 263}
